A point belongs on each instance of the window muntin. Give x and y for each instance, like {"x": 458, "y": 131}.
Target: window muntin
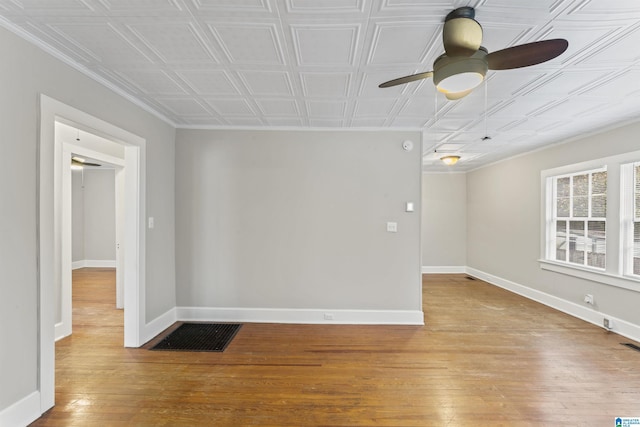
{"x": 579, "y": 218}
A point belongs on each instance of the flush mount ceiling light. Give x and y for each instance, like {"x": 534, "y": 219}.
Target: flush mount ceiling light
{"x": 78, "y": 163}
{"x": 450, "y": 160}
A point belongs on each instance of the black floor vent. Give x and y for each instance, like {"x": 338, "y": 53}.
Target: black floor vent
{"x": 199, "y": 337}
{"x": 632, "y": 346}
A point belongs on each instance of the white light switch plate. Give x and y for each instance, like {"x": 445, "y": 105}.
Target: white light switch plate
{"x": 392, "y": 227}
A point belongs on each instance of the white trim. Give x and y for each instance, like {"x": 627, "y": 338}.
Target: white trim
{"x": 23, "y": 412}
{"x": 63, "y": 241}
{"x": 305, "y": 316}
{"x": 134, "y": 245}
{"x": 64, "y": 328}
{"x": 455, "y": 269}
{"x": 617, "y": 232}
{"x": 297, "y": 128}
{"x": 93, "y": 263}
{"x": 620, "y": 327}
{"x": 48, "y": 231}
{"x": 95, "y": 155}
{"x": 81, "y": 68}
{"x": 159, "y": 324}
{"x": 605, "y": 278}
{"x": 61, "y": 330}
{"x": 553, "y": 144}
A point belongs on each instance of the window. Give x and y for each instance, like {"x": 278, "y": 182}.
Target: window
{"x": 579, "y": 218}
{"x": 636, "y": 219}
{"x": 591, "y": 220}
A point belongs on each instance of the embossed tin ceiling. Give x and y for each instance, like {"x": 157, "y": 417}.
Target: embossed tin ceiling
{"x": 317, "y": 64}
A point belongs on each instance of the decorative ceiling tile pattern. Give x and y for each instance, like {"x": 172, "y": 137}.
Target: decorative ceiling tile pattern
{"x": 317, "y": 64}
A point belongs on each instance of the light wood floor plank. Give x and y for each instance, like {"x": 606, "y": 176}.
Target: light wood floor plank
{"x": 485, "y": 357}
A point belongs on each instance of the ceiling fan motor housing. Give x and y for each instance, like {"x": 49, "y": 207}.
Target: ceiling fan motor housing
{"x": 461, "y": 35}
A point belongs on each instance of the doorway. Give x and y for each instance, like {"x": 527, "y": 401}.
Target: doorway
{"x": 53, "y": 161}
{"x": 84, "y": 153}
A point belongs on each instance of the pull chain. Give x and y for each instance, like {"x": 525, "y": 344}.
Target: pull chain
{"x": 486, "y": 136}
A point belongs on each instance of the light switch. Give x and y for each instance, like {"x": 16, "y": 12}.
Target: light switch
{"x": 392, "y": 227}
{"x": 409, "y": 207}
{"x": 151, "y": 224}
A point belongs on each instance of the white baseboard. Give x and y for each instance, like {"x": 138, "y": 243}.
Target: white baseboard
{"x": 456, "y": 269}
{"x": 306, "y": 316}
{"x": 93, "y": 263}
{"x": 159, "y": 324}
{"x": 620, "y": 327}
{"x": 61, "y": 331}
{"x": 23, "y": 412}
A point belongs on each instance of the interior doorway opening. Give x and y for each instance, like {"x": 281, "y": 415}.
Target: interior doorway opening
{"x": 101, "y": 243}
{"x": 52, "y": 167}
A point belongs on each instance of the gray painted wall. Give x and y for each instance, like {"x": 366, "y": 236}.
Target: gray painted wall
{"x": 504, "y": 214}
{"x": 444, "y": 220}
{"x": 93, "y": 216}
{"x": 26, "y": 72}
{"x": 77, "y": 216}
{"x": 270, "y": 219}
{"x": 99, "y": 214}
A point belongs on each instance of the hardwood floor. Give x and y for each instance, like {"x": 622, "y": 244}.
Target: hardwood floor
{"x": 485, "y": 357}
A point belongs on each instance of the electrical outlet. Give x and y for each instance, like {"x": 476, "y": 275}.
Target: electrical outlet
{"x": 588, "y": 298}
{"x": 328, "y": 316}
{"x": 607, "y": 323}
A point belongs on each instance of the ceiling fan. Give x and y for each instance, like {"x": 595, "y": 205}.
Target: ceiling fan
{"x": 465, "y": 62}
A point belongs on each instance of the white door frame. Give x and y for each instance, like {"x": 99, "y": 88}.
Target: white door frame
{"x": 49, "y": 185}
{"x": 64, "y": 327}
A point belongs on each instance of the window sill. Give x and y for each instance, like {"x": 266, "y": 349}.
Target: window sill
{"x": 624, "y": 282}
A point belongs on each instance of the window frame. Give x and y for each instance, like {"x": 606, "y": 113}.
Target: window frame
{"x": 551, "y": 232}
{"x": 619, "y": 230}
{"x": 630, "y": 214}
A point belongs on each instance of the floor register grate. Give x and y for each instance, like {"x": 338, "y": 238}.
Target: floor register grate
{"x": 631, "y": 346}
{"x": 199, "y": 337}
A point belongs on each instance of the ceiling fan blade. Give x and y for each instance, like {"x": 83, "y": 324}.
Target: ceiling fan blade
{"x": 407, "y": 79}
{"x": 457, "y": 95}
{"x": 527, "y": 54}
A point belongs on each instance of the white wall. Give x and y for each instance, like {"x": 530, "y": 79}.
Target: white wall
{"x": 297, "y": 220}
{"x": 93, "y": 216}
{"x": 25, "y": 73}
{"x": 504, "y": 220}
{"x": 444, "y": 222}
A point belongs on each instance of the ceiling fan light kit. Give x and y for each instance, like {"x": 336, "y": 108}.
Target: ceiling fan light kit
{"x": 455, "y": 74}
